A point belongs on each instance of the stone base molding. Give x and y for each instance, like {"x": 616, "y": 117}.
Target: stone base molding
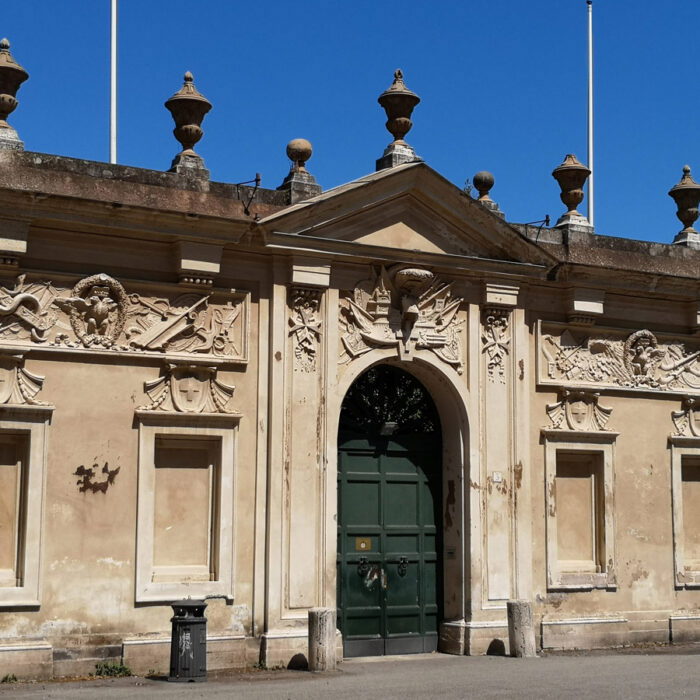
{"x": 30, "y": 660}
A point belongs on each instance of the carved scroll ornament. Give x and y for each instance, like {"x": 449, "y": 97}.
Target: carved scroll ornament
{"x": 17, "y": 384}
{"x": 188, "y": 389}
{"x": 99, "y": 314}
{"x": 578, "y": 410}
{"x": 408, "y": 308}
{"x": 615, "y": 359}
{"x": 687, "y": 420}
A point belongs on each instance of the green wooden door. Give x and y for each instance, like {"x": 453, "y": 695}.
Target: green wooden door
{"x": 389, "y": 510}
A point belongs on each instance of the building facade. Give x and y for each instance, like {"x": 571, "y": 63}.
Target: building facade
{"x": 382, "y": 398}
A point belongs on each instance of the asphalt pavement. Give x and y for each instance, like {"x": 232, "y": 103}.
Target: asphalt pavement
{"x": 600, "y": 676}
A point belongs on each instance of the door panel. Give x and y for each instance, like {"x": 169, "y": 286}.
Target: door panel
{"x": 389, "y": 495}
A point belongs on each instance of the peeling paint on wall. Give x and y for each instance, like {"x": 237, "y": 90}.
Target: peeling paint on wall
{"x": 86, "y": 483}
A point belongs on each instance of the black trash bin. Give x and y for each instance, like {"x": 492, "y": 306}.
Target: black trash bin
{"x": 188, "y": 645}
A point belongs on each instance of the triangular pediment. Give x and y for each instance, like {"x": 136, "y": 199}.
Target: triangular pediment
{"x": 407, "y": 208}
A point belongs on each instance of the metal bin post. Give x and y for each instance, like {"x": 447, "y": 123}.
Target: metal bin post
{"x": 188, "y": 645}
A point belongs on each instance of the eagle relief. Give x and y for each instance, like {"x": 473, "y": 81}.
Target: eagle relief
{"x": 408, "y": 308}
{"x": 99, "y": 314}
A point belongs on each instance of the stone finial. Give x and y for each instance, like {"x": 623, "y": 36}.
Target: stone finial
{"x": 686, "y": 195}
{"x": 300, "y": 183}
{"x": 188, "y": 108}
{"x": 12, "y": 75}
{"x": 483, "y": 181}
{"x": 571, "y": 176}
{"x": 299, "y": 151}
{"x": 398, "y": 103}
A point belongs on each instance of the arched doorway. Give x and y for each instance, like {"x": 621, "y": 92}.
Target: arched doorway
{"x": 389, "y": 514}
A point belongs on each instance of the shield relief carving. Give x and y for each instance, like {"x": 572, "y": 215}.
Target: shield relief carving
{"x": 188, "y": 388}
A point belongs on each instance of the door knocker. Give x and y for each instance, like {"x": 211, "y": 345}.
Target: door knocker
{"x": 403, "y": 566}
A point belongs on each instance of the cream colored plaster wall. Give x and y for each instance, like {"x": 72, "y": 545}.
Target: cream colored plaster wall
{"x": 642, "y": 511}
{"x": 87, "y": 576}
{"x": 89, "y": 539}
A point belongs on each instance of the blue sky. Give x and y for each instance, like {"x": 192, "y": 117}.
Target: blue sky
{"x": 502, "y": 83}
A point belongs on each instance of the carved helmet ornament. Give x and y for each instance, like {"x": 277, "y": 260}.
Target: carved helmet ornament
{"x": 406, "y": 307}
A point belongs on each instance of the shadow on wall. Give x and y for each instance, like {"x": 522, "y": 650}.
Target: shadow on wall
{"x": 496, "y": 648}
{"x": 298, "y": 662}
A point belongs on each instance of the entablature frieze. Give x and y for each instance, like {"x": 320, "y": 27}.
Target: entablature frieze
{"x": 98, "y": 315}
{"x": 599, "y": 358}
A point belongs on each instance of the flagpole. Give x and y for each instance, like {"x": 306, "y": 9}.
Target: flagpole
{"x": 590, "y": 114}
{"x": 113, "y": 88}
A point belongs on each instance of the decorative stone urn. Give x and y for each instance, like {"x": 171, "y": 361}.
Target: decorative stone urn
{"x": 188, "y": 107}
{"x": 12, "y": 75}
{"x": 571, "y": 176}
{"x": 686, "y": 195}
{"x": 398, "y": 103}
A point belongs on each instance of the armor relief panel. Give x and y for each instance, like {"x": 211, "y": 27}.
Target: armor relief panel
{"x": 406, "y": 308}
{"x": 99, "y": 314}
{"x": 613, "y": 358}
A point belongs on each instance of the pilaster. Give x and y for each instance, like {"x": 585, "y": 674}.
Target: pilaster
{"x": 497, "y": 380}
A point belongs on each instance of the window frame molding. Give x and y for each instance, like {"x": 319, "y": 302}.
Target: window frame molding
{"x": 582, "y": 442}
{"x": 681, "y": 446}
{"x": 32, "y": 421}
{"x": 154, "y": 424}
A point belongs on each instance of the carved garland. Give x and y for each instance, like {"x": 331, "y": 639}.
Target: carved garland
{"x": 578, "y": 410}
{"x": 97, "y": 310}
{"x": 188, "y": 388}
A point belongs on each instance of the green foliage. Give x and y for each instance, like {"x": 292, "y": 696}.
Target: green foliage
{"x": 112, "y": 670}
{"x": 9, "y": 678}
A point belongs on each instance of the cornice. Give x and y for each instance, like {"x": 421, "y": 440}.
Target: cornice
{"x": 361, "y": 252}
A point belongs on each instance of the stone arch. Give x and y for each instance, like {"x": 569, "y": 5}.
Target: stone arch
{"x": 449, "y": 392}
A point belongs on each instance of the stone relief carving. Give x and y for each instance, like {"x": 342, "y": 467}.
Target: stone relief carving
{"x": 17, "y": 384}
{"x": 404, "y": 307}
{"x": 578, "y": 410}
{"x": 305, "y": 326}
{"x": 188, "y": 388}
{"x": 24, "y": 308}
{"x": 495, "y": 338}
{"x": 98, "y": 314}
{"x": 96, "y": 309}
{"x": 687, "y": 420}
{"x": 637, "y": 360}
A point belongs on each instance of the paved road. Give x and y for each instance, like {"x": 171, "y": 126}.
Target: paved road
{"x": 601, "y": 677}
